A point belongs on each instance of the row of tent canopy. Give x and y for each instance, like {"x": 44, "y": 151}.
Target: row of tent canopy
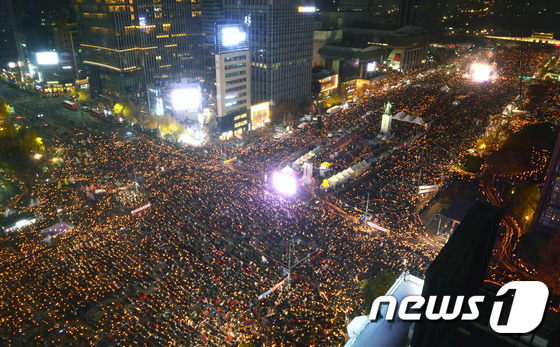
{"x": 307, "y": 156}
{"x": 287, "y": 170}
{"x": 346, "y": 175}
{"x": 408, "y": 118}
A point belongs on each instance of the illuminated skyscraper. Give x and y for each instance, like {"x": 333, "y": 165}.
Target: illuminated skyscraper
{"x": 233, "y": 77}
{"x": 212, "y": 13}
{"x": 546, "y": 219}
{"x": 281, "y": 46}
{"x": 128, "y": 44}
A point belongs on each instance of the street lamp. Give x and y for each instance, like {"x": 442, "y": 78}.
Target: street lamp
{"x": 526, "y": 220}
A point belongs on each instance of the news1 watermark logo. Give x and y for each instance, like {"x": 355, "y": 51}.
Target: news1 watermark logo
{"x": 526, "y": 313}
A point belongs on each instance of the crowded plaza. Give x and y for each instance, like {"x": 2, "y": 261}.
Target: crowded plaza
{"x": 171, "y": 246}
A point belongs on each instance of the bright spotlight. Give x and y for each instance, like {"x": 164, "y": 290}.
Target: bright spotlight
{"x": 186, "y": 99}
{"x": 481, "y": 72}
{"x": 285, "y": 184}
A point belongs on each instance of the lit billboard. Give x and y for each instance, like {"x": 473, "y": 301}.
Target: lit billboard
{"x": 260, "y": 114}
{"x": 306, "y": 9}
{"x": 329, "y": 83}
{"x": 188, "y": 99}
{"x": 232, "y": 38}
{"x": 47, "y": 58}
{"x": 142, "y": 22}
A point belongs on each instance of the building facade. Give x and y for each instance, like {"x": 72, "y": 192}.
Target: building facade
{"x": 281, "y": 46}
{"x": 354, "y": 5}
{"x": 67, "y": 43}
{"x": 546, "y": 219}
{"x": 10, "y": 47}
{"x": 427, "y": 14}
{"x": 212, "y": 14}
{"x": 233, "y": 77}
{"x": 129, "y": 44}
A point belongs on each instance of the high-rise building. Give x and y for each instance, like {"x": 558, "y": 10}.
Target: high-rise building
{"x": 546, "y": 219}
{"x": 459, "y": 269}
{"x": 233, "y": 77}
{"x": 281, "y": 46}
{"x": 130, "y": 44}
{"x": 427, "y": 14}
{"x": 67, "y": 41}
{"x": 9, "y": 40}
{"x": 379, "y": 11}
{"x": 212, "y": 13}
{"x": 354, "y": 5}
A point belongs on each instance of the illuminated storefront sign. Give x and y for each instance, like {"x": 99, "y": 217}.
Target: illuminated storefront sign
{"x": 329, "y": 83}
{"x": 306, "y": 9}
{"x": 260, "y": 114}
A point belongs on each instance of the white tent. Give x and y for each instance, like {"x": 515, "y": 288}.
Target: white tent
{"x": 419, "y": 121}
{"x": 333, "y": 181}
{"x": 408, "y": 118}
{"x": 341, "y": 177}
{"x": 364, "y": 164}
{"x": 287, "y": 170}
{"x": 351, "y": 172}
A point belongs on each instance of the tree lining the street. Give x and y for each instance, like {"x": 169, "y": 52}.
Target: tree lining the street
{"x": 18, "y": 145}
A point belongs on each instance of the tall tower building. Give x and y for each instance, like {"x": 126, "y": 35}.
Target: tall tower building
{"x": 212, "y": 13}
{"x": 281, "y": 46}
{"x": 354, "y": 5}
{"x": 546, "y": 219}
{"x": 427, "y": 14}
{"x": 10, "y": 50}
{"x": 67, "y": 42}
{"x": 128, "y": 44}
{"x": 233, "y": 81}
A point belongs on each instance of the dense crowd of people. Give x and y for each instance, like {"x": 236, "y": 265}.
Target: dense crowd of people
{"x": 189, "y": 269}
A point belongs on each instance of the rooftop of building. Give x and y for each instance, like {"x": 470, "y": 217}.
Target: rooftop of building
{"x": 351, "y": 50}
{"x": 389, "y": 29}
{"x": 363, "y": 332}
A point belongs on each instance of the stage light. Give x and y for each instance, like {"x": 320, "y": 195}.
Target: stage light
{"x": 481, "y": 72}
{"x": 285, "y": 184}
